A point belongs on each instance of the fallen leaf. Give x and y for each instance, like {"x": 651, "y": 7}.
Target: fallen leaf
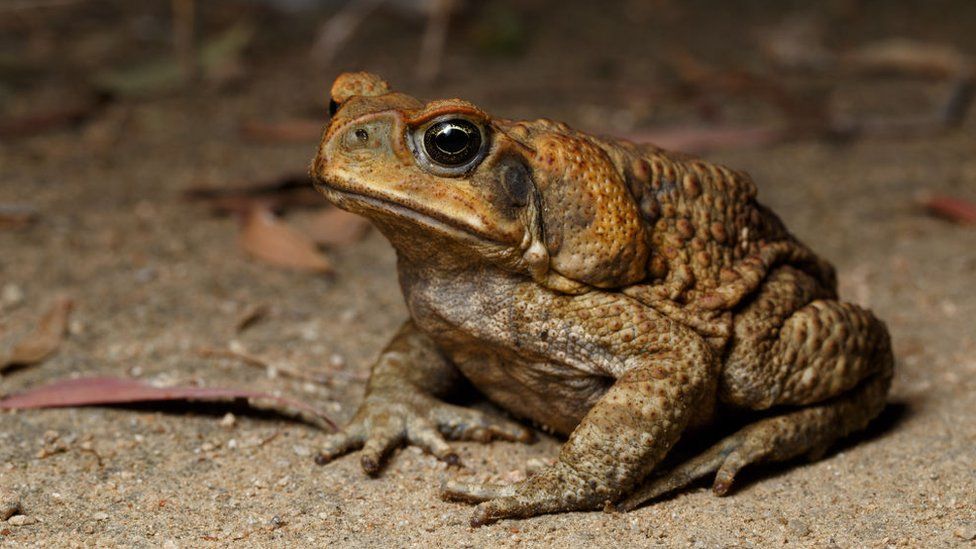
{"x": 43, "y": 340}
{"x": 278, "y": 194}
{"x": 796, "y": 43}
{"x": 69, "y": 113}
{"x": 93, "y": 391}
{"x": 705, "y": 139}
{"x": 900, "y": 55}
{"x": 296, "y": 130}
{"x": 335, "y": 227}
{"x": 950, "y": 208}
{"x": 268, "y": 239}
{"x": 17, "y": 216}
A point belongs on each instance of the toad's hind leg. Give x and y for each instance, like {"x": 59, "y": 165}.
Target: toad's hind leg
{"x": 809, "y": 430}
{"x": 831, "y": 358}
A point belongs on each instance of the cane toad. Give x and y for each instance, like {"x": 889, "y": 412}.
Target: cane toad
{"x": 615, "y": 293}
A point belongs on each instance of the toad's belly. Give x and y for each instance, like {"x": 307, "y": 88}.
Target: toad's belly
{"x": 554, "y": 396}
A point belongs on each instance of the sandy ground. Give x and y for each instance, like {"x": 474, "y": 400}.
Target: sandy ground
{"x": 155, "y": 278}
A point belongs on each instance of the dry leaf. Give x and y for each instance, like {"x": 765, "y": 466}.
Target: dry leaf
{"x": 279, "y": 194}
{"x": 267, "y": 238}
{"x": 699, "y": 140}
{"x": 335, "y": 227}
{"x": 296, "y": 130}
{"x": 17, "y": 216}
{"x": 70, "y": 112}
{"x": 93, "y": 391}
{"x": 950, "y": 208}
{"x": 44, "y": 340}
{"x": 901, "y": 55}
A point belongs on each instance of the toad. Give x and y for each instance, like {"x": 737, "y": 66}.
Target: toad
{"x": 617, "y": 294}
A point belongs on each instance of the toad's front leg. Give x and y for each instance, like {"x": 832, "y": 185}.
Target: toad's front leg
{"x": 401, "y": 408}
{"x": 669, "y": 379}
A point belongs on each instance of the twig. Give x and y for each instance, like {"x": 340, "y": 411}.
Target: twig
{"x": 184, "y": 21}
{"x": 432, "y": 45}
{"x": 257, "y": 362}
{"x": 24, "y": 5}
{"x": 337, "y": 30}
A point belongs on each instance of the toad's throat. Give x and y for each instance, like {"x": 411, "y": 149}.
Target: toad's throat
{"x": 367, "y": 204}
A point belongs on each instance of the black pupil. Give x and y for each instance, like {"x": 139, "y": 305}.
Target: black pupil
{"x": 452, "y": 142}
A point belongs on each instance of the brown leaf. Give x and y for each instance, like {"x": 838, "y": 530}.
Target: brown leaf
{"x": 93, "y": 391}
{"x": 295, "y": 130}
{"x": 44, "y": 340}
{"x": 335, "y": 227}
{"x": 950, "y": 208}
{"x": 268, "y": 239}
{"x": 278, "y": 194}
{"x": 703, "y": 139}
{"x": 905, "y": 56}
{"x": 17, "y": 216}
{"x": 69, "y": 113}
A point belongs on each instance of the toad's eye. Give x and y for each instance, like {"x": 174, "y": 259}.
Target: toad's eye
{"x": 452, "y": 146}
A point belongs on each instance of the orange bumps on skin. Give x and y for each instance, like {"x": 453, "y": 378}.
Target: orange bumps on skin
{"x": 357, "y": 83}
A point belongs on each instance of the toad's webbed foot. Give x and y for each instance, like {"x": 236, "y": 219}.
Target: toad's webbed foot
{"x": 387, "y": 420}
{"x": 557, "y": 488}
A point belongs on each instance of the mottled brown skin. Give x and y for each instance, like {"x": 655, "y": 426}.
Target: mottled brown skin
{"x": 615, "y": 293}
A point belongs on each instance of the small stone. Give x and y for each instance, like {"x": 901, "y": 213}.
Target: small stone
{"x": 12, "y": 295}
{"x": 101, "y": 515}
{"x": 798, "y": 527}
{"x": 302, "y": 451}
{"x": 966, "y": 531}
{"x": 21, "y": 520}
{"x": 228, "y": 421}
{"x": 9, "y": 504}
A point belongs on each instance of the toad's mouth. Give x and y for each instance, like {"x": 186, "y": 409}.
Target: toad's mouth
{"x": 367, "y": 204}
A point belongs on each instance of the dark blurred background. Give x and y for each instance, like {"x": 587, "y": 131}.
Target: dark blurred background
{"x": 832, "y": 69}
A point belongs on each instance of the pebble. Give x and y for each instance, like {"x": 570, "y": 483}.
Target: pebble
{"x": 966, "y": 531}
{"x": 101, "y": 515}
{"x": 9, "y": 504}
{"x": 12, "y": 295}
{"x": 302, "y": 451}
{"x": 228, "y": 421}
{"x": 21, "y": 520}
{"x": 798, "y": 527}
